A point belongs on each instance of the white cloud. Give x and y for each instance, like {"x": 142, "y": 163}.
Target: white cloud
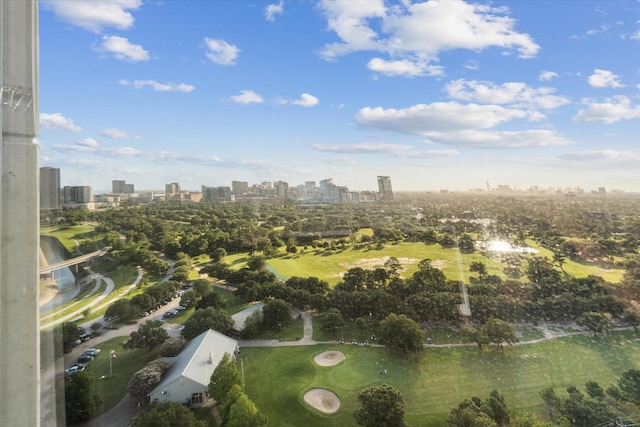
{"x": 604, "y": 156}
{"x": 221, "y": 52}
{"x": 609, "y": 111}
{"x": 94, "y": 15}
{"x": 363, "y": 148}
{"x": 421, "y": 119}
{"x": 58, "y": 121}
{"x": 400, "y": 31}
{"x": 88, "y": 142}
{"x": 604, "y": 78}
{"x": 341, "y": 161}
{"x": 306, "y": 100}
{"x": 504, "y": 139}
{"x": 404, "y": 67}
{"x": 349, "y": 21}
{"x": 122, "y": 49}
{"x": 545, "y": 75}
{"x": 114, "y": 133}
{"x": 514, "y": 93}
{"x": 247, "y": 97}
{"x": 272, "y": 10}
{"x": 158, "y": 87}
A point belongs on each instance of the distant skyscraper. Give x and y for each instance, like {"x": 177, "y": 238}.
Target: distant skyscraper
{"x": 77, "y": 194}
{"x": 121, "y": 187}
{"x": 239, "y": 188}
{"x": 384, "y": 187}
{"x": 50, "y": 188}
{"x": 171, "y": 190}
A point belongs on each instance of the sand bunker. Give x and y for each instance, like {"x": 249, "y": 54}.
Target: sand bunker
{"x": 329, "y": 358}
{"x": 323, "y": 400}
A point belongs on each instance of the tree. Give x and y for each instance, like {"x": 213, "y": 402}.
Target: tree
{"x": 202, "y": 287}
{"x": 474, "y": 412}
{"x": 180, "y": 274}
{"x": 167, "y": 414}
{"x": 498, "y": 331}
{"x": 190, "y": 298}
{"x": 401, "y": 334}
{"x": 150, "y": 334}
{"x": 596, "y": 322}
{"x": 223, "y": 378}
{"x": 382, "y": 405}
{"x": 70, "y": 334}
{"x": 218, "y": 254}
{"x": 147, "y": 378}
{"x": 629, "y": 383}
{"x": 594, "y": 390}
{"x": 211, "y": 299}
{"x": 332, "y": 321}
{"x": 466, "y": 244}
{"x": 80, "y": 398}
{"x": 204, "y": 319}
{"x": 276, "y": 314}
{"x": 476, "y": 335}
{"x": 469, "y": 414}
{"x": 121, "y": 311}
{"x": 478, "y": 267}
{"x": 244, "y": 413}
{"x": 256, "y": 263}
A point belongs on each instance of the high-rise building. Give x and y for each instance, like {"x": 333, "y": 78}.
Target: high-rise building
{"x": 282, "y": 189}
{"x": 121, "y": 187}
{"x": 77, "y": 194}
{"x": 50, "y": 188}
{"x": 239, "y": 188}
{"x": 216, "y": 194}
{"x": 171, "y": 190}
{"x": 384, "y": 187}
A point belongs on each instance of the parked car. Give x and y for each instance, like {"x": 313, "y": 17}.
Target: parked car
{"x": 93, "y": 352}
{"x": 85, "y": 358}
{"x": 74, "y": 368}
{"x": 85, "y": 337}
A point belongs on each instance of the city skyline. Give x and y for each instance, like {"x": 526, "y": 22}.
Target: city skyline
{"x": 508, "y": 92}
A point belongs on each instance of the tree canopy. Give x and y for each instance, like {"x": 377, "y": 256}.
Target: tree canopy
{"x": 382, "y": 405}
{"x": 167, "y": 414}
{"x": 401, "y": 334}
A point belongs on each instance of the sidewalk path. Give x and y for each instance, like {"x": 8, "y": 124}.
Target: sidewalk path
{"x": 94, "y": 304}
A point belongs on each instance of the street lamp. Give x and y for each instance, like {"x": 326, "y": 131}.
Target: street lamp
{"x": 112, "y": 355}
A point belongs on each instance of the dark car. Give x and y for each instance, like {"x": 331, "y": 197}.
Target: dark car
{"x": 85, "y": 358}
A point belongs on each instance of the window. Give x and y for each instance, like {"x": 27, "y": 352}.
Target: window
{"x": 196, "y": 399}
{"x": 304, "y": 105}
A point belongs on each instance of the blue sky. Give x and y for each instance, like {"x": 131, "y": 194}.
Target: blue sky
{"x": 435, "y": 94}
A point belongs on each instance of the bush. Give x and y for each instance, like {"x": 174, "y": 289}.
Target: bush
{"x": 172, "y": 346}
{"x": 147, "y": 378}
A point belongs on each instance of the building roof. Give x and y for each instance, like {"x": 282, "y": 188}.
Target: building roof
{"x": 240, "y": 317}
{"x": 199, "y": 358}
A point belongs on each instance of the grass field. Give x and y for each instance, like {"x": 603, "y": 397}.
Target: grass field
{"x": 277, "y": 378}
{"x": 330, "y": 265}
{"x": 128, "y": 362}
{"x": 67, "y": 236}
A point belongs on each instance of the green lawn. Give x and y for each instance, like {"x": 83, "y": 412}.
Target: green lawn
{"x": 127, "y": 362}
{"x": 68, "y": 235}
{"x": 277, "y": 378}
{"x": 330, "y": 265}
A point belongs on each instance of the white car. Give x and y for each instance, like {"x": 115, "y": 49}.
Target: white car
{"x": 75, "y": 368}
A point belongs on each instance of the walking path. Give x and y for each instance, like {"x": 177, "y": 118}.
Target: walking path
{"x": 94, "y": 304}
